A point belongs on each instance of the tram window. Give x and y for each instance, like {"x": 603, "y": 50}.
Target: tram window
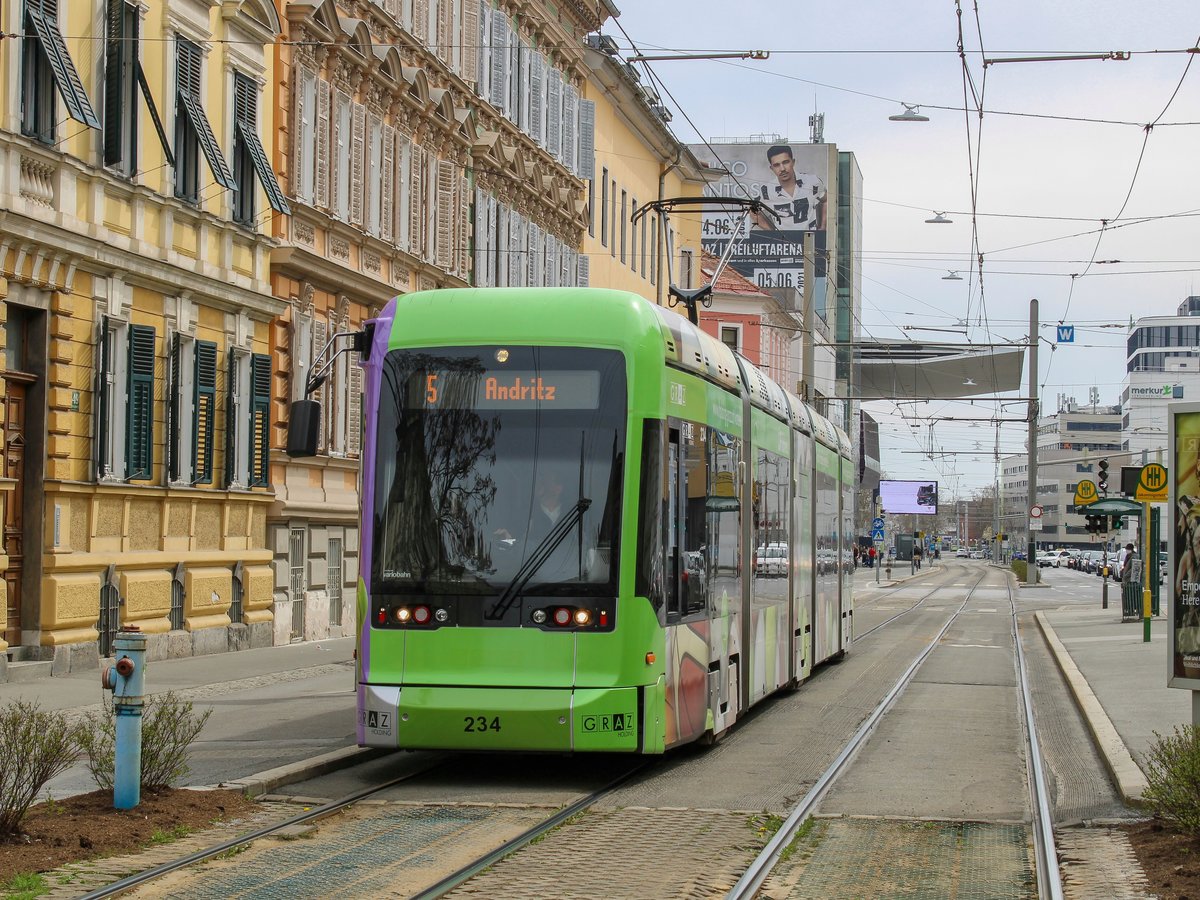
{"x": 671, "y": 531}
{"x": 654, "y": 506}
{"x": 689, "y": 555}
{"x": 723, "y": 525}
{"x": 770, "y": 498}
{"x": 694, "y": 494}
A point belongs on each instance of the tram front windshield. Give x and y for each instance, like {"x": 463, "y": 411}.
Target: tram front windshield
{"x": 498, "y": 467}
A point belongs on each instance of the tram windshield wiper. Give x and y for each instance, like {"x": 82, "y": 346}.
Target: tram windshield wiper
{"x": 536, "y": 559}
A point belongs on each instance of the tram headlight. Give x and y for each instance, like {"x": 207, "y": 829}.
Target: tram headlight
{"x": 562, "y": 616}
{"x": 539, "y": 616}
{"x": 421, "y": 615}
{"x": 583, "y": 616}
{"x": 403, "y": 614}
{"x": 442, "y": 615}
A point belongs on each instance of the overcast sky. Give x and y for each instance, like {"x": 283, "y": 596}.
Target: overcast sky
{"x": 855, "y": 62}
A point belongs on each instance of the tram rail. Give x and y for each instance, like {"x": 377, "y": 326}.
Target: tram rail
{"x": 152, "y": 874}
{"x": 1048, "y": 876}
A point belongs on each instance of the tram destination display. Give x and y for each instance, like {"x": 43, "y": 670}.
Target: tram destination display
{"x": 918, "y": 498}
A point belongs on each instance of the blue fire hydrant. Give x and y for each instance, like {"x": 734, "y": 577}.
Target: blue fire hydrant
{"x": 127, "y": 681}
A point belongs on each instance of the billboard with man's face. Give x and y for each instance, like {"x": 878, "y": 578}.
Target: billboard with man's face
{"x": 797, "y": 182}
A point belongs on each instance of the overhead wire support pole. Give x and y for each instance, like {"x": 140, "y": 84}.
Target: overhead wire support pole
{"x": 1118, "y": 55}
{"x": 1031, "y": 569}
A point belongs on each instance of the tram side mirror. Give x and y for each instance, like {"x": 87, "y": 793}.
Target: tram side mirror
{"x": 304, "y": 425}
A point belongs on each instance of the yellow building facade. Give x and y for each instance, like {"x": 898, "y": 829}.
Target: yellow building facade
{"x": 637, "y": 159}
{"x": 413, "y": 158}
{"x": 137, "y": 193}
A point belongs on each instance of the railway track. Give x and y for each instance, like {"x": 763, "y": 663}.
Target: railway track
{"x": 310, "y": 815}
{"x": 185, "y": 875}
{"x": 1049, "y": 882}
{"x": 535, "y": 822}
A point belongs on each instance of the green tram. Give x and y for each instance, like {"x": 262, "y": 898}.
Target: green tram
{"x": 587, "y": 526}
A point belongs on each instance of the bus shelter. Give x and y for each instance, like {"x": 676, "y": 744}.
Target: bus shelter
{"x": 1131, "y": 590}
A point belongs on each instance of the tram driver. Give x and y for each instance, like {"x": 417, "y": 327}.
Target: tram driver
{"x": 571, "y": 555}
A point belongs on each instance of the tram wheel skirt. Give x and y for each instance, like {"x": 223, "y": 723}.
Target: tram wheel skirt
{"x": 482, "y": 718}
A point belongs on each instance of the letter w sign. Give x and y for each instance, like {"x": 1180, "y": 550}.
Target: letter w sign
{"x": 1066, "y": 334}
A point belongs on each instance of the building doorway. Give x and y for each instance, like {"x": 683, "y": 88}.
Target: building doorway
{"x": 14, "y": 468}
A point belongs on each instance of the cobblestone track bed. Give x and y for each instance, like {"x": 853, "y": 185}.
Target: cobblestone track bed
{"x": 76, "y": 879}
{"x": 368, "y": 851}
{"x": 633, "y": 853}
{"x": 855, "y": 858}
{"x": 1099, "y": 862}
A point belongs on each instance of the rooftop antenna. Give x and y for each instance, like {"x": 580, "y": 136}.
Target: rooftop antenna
{"x": 691, "y": 297}
{"x": 816, "y": 124}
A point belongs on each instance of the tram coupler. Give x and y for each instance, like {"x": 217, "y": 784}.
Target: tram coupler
{"x": 127, "y": 680}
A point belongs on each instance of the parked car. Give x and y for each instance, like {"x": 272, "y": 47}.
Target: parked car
{"x": 962, "y": 553}
{"x": 977, "y": 554}
{"x": 771, "y": 560}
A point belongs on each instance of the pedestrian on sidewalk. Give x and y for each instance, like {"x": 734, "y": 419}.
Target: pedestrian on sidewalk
{"x": 917, "y": 554}
{"x": 1127, "y": 564}
{"x": 871, "y": 557}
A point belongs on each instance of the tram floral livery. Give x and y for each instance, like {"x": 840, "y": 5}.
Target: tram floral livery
{"x": 567, "y": 499}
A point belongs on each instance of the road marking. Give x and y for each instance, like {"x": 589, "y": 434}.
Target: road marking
{"x": 977, "y": 646}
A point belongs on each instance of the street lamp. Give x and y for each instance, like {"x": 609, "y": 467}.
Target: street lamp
{"x": 953, "y": 276}
{"x": 939, "y": 219}
{"x": 912, "y": 113}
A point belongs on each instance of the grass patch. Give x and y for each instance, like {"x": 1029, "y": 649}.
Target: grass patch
{"x": 25, "y": 886}
{"x": 765, "y": 825}
{"x": 166, "y": 836}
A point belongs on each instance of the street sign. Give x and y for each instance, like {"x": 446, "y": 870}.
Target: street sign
{"x": 1066, "y": 334}
{"x": 1035, "y": 512}
{"x": 877, "y": 522}
{"x": 1035, "y": 524}
{"x": 877, "y": 534}
{"x": 1152, "y": 484}
{"x": 1085, "y": 493}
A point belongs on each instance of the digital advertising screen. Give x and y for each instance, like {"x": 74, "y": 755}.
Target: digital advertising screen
{"x": 918, "y": 498}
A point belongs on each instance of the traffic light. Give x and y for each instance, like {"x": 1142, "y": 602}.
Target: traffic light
{"x": 1118, "y": 522}
{"x": 1095, "y": 523}
{"x": 1102, "y": 478}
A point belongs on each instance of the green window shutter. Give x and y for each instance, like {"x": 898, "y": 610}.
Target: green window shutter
{"x": 139, "y": 420}
{"x": 204, "y": 412}
{"x": 174, "y": 384}
{"x": 116, "y": 50}
{"x": 103, "y": 368}
{"x": 260, "y": 419}
{"x": 231, "y": 471}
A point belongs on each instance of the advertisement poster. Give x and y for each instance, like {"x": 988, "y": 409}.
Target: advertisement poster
{"x": 1184, "y": 556}
{"x": 793, "y": 179}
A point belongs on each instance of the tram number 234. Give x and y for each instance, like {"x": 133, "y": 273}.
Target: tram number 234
{"x": 481, "y": 723}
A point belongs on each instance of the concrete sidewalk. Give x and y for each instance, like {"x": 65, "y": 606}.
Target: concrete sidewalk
{"x": 1119, "y": 683}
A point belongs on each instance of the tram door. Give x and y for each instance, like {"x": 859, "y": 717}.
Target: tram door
{"x": 672, "y": 525}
